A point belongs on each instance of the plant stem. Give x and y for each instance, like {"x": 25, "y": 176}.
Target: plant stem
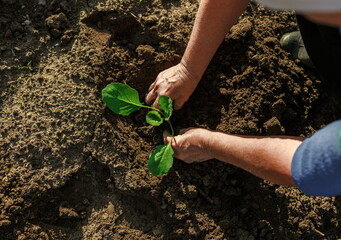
{"x": 153, "y": 108}
{"x": 171, "y": 127}
{"x": 168, "y": 121}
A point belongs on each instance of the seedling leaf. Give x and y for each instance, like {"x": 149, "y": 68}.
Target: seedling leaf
{"x": 121, "y": 98}
{"x": 166, "y": 105}
{"x": 124, "y": 100}
{"x": 154, "y": 118}
{"x": 161, "y": 160}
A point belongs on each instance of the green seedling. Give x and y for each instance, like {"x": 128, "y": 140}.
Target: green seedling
{"x": 124, "y": 100}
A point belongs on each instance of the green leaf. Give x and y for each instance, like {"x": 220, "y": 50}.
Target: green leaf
{"x": 161, "y": 160}
{"x": 121, "y": 99}
{"x": 154, "y": 118}
{"x": 166, "y": 105}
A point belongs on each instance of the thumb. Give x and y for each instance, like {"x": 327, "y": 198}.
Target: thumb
{"x": 166, "y": 136}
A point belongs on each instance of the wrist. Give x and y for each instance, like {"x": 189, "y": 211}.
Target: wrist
{"x": 209, "y": 143}
{"x": 190, "y": 72}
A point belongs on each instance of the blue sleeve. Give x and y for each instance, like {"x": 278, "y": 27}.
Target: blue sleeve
{"x": 316, "y": 165}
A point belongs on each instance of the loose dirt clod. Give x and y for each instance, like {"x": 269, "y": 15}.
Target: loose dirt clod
{"x": 69, "y": 169}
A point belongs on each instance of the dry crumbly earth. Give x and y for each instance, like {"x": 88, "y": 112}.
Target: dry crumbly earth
{"x": 71, "y": 169}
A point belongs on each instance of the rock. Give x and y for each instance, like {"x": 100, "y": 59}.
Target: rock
{"x": 251, "y": 128}
{"x": 151, "y": 20}
{"x": 14, "y": 209}
{"x": 278, "y": 108}
{"x": 55, "y": 33}
{"x": 193, "y": 231}
{"x": 67, "y": 36}
{"x": 121, "y": 27}
{"x": 43, "y": 236}
{"x": 270, "y": 41}
{"x": 223, "y": 91}
{"x": 105, "y": 216}
{"x": 5, "y": 222}
{"x": 58, "y": 21}
{"x": 309, "y": 83}
{"x": 67, "y": 213}
{"x": 27, "y": 22}
{"x": 22, "y": 237}
{"x": 145, "y": 51}
{"x": 181, "y": 211}
{"x": 191, "y": 191}
{"x": 111, "y": 209}
{"x": 273, "y": 127}
{"x": 241, "y": 30}
{"x": 8, "y": 33}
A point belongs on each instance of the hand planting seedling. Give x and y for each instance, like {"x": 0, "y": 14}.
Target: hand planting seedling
{"x": 122, "y": 99}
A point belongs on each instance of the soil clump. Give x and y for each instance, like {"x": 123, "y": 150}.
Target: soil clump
{"x": 71, "y": 169}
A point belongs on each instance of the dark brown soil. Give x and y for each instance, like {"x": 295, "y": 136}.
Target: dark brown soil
{"x": 71, "y": 169}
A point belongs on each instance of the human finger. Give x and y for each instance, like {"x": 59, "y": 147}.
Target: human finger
{"x": 152, "y": 86}
{"x": 166, "y": 136}
{"x": 156, "y": 102}
{"x": 151, "y": 96}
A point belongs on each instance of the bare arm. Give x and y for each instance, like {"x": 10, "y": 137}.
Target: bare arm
{"x": 266, "y": 157}
{"x": 214, "y": 19}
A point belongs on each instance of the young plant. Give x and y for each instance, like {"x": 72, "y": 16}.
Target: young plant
{"x": 122, "y": 99}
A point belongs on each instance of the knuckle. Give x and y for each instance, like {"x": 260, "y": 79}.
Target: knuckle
{"x": 156, "y": 86}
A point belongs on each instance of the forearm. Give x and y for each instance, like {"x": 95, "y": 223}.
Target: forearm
{"x": 266, "y": 157}
{"x": 213, "y": 21}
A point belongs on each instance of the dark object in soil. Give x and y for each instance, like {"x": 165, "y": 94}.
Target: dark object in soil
{"x": 120, "y": 26}
{"x": 56, "y": 23}
{"x": 273, "y": 127}
{"x": 293, "y": 43}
